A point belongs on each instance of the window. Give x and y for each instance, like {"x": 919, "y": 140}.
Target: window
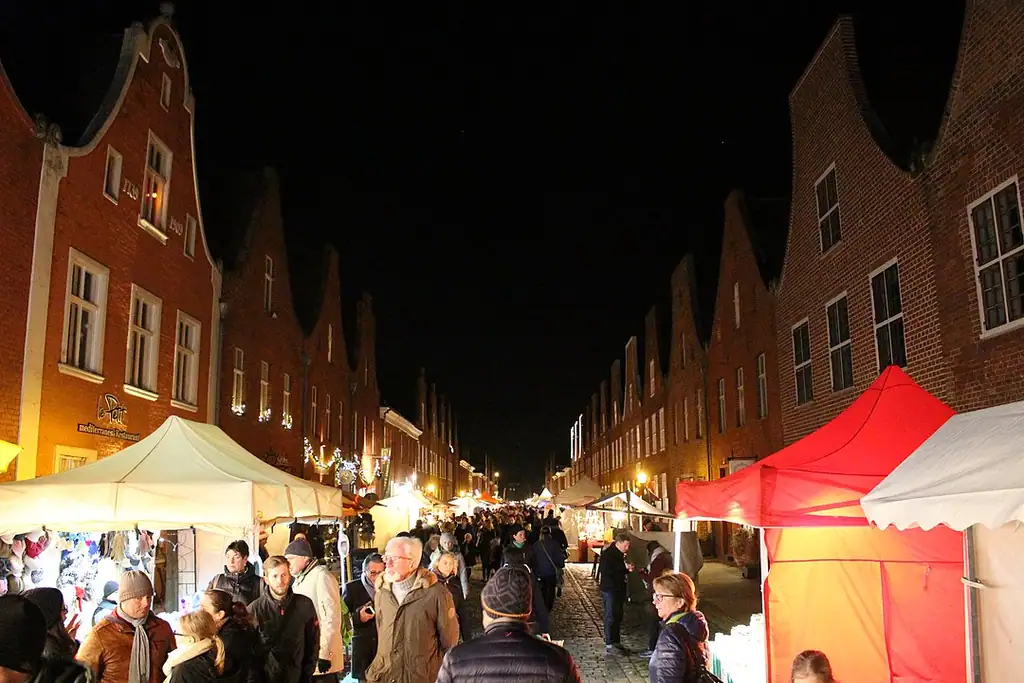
{"x": 699, "y": 403}
{"x": 165, "y": 92}
{"x": 328, "y": 423}
{"x": 112, "y": 175}
{"x": 802, "y": 362}
{"x": 828, "y": 210}
{"x": 999, "y": 257}
{"x": 191, "y": 228}
{"x": 736, "y": 305}
{"x": 286, "y": 401}
{"x": 741, "y": 399}
{"x": 840, "y": 348}
{"x": 268, "y": 284}
{"x": 330, "y": 343}
{"x": 85, "y": 316}
{"x": 341, "y": 421}
{"x": 69, "y": 458}
{"x": 647, "y": 436}
{"x": 264, "y": 391}
{"x": 661, "y": 429}
{"x": 143, "y": 340}
{"x": 887, "y": 313}
{"x": 155, "y": 188}
{"x": 651, "y": 365}
{"x": 762, "y": 388}
{"x": 615, "y": 412}
{"x": 238, "y": 383}
{"x": 186, "y": 361}
{"x": 312, "y": 412}
{"x": 686, "y": 419}
{"x": 664, "y": 491}
{"x": 721, "y": 406}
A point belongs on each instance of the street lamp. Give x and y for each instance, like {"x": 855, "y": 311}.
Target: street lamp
{"x": 431, "y": 488}
{"x": 641, "y": 479}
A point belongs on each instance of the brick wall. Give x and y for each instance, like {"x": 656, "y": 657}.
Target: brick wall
{"x": 654, "y": 461}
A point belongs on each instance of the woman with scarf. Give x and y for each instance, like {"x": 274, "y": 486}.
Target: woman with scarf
{"x": 358, "y": 598}
{"x": 449, "y": 544}
{"x": 237, "y": 632}
{"x": 201, "y": 660}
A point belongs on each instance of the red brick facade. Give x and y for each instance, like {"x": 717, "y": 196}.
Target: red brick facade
{"x": 19, "y": 189}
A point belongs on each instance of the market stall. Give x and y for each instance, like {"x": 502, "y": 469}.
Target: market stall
{"x": 467, "y": 504}
{"x": 883, "y": 605}
{"x": 398, "y": 513}
{"x": 583, "y": 492}
{"x": 969, "y": 476}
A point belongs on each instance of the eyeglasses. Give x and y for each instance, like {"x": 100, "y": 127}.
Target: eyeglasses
{"x": 375, "y": 572}
{"x": 395, "y": 558}
{"x": 658, "y": 597}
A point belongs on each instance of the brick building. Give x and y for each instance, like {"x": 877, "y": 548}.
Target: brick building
{"x": 368, "y": 428}
{"x": 261, "y": 367}
{"x": 654, "y": 460}
{"x": 439, "y": 456}
{"x": 114, "y": 342}
{"x": 402, "y": 439}
{"x": 19, "y": 193}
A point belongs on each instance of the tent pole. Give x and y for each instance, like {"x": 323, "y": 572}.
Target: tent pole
{"x": 764, "y": 600}
{"x": 971, "y": 608}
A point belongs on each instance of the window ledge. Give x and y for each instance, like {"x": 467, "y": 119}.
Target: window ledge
{"x": 72, "y": 371}
{"x": 1002, "y": 329}
{"x": 113, "y": 200}
{"x": 153, "y": 230}
{"x": 180, "y": 405}
{"x": 140, "y": 393}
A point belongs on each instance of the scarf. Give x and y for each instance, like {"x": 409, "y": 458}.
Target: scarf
{"x": 185, "y": 653}
{"x": 371, "y": 589}
{"x": 138, "y": 664}
{"x": 657, "y": 551}
{"x": 518, "y": 544}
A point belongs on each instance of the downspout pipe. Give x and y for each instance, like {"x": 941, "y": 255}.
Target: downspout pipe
{"x": 306, "y": 360}
{"x": 218, "y": 362}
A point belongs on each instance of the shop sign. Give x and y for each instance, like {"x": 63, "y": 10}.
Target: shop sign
{"x": 737, "y": 464}
{"x": 111, "y": 415}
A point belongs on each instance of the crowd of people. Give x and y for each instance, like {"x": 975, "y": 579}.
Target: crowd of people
{"x": 408, "y": 616}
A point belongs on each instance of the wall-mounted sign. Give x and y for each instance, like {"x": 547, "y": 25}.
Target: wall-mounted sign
{"x": 109, "y": 409}
{"x": 130, "y": 189}
{"x": 176, "y": 226}
{"x": 737, "y": 464}
{"x": 276, "y": 459}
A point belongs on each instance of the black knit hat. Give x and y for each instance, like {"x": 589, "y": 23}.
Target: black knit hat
{"x": 509, "y": 594}
{"x": 49, "y": 601}
{"x": 22, "y": 634}
{"x": 515, "y": 529}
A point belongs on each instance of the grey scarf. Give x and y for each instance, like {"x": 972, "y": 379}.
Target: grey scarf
{"x": 371, "y": 589}
{"x": 138, "y": 665}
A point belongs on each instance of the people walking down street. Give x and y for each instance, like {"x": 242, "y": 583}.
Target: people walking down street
{"x": 681, "y": 650}
{"x": 287, "y": 625}
{"x": 548, "y": 560}
{"x": 449, "y": 544}
{"x": 358, "y": 597}
{"x": 811, "y": 666}
{"x": 202, "y": 659}
{"x": 238, "y": 633}
{"x": 315, "y": 581}
{"x": 446, "y": 568}
{"x": 660, "y": 562}
{"x": 239, "y": 577}
{"x": 614, "y": 574}
{"x": 23, "y": 636}
{"x": 131, "y": 644}
{"x": 539, "y": 619}
{"x": 433, "y": 546}
{"x": 416, "y": 618}
{"x": 507, "y": 651}
{"x": 517, "y": 541}
{"x": 60, "y": 641}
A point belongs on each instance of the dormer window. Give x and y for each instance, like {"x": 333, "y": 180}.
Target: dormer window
{"x": 165, "y": 92}
{"x": 153, "y": 213}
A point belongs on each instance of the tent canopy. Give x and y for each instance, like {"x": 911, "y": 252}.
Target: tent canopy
{"x": 584, "y": 491}
{"x": 184, "y": 474}
{"x": 820, "y": 480}
{"x": 969, "y": 472}
{"x": 624, "y": 501}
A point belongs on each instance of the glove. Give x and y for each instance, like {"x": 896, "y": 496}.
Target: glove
{"x": 323, "y": 665}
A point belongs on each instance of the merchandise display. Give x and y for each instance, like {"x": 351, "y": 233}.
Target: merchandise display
{"x": 741, "y": 656}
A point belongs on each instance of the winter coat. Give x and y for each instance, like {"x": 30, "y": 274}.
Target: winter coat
{"x": 613, "y": 570}
{"x": 461, "y": 606}
{"x": 193, "y": 663}
{"x": 507, "y": 652}
{"x": 682, "y": 640}
{"x": 288, "y": 657}
{"x": 242, "y": 663}
{"x": 62, "y": 671}
{"x": 661, "y": 561}
{"x": 463, "y": 571}
{"x": 318, "y": 584}
{"x": 244, "y": 586}
{"x": 364, "y": 637}
{"x": 108, "y": 648}
{"x": 413, "y": 637}
{"x": 548, "y": 558}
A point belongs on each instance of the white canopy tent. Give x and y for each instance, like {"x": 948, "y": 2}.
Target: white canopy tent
{"x": 467, "y": 504}
{"x": 185, "y": 474}
{"x": 624, "y": 501}
{"x": 969, "y": 475}
{"x": 583, "y": 492}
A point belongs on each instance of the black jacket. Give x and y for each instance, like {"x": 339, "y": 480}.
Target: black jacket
{"x": 62, "y": 671}
{"x": 244, "y": 586}
{"x": 613, "y": 570}
{"x": 680, "y": 650}
{"x": 461, "y": 605}
{"x": 289, "y": 649}
{"x": 507, "y": 652}
{"x": 547, "y": 557}
{"x": 364, "y": 634}
{"x": 199, "y": 669}
{"x": 242, "y": 663}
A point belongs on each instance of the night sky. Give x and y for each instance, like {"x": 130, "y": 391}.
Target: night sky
{"x": 512, "y": 183}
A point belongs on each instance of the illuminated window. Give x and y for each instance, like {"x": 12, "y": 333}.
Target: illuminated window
{"x": 286, "y": 401}
{"x": 143, "y": 340}
{"x": 112, "y": 175}
{"x": 312, "y": 412}
{"x": 268, "y": 284}
{"x": 153, "y": 213}
{"x": 165, "y": 92}
{"x": 721, "y": 406}
{"x": 238, "y": 383}
{"x": 328, "y": 424}
{"x": 264, "y": 391}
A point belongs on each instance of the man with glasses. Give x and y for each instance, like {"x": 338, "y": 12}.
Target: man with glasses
{"x": 415, "y": 615}
{"x": 358, "y": 596}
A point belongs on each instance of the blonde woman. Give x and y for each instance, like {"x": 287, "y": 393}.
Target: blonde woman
{"x": 200, "y": 660}
{"x": 682, "y": 644}
{"x": 446, "y": 568}
{"x": 811, "y": 666}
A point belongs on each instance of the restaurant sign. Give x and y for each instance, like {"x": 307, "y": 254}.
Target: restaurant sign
{"x": 111, "y": 415}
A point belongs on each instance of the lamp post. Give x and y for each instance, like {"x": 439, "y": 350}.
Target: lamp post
{"x": 641, "y": 480}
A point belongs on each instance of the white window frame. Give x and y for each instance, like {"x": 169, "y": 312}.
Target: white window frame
{"x": 762, "y": 387}
{"x": 154, "y": 224}
{"x": 312, "y": 411}
{"x": 87, "y": 456}
{"x": 112, "y": 175}
{"x": 810, "y": 358}
{"x": 328, "y": 425}
{"x": 741, "y": 396}
{"x": 341, "y": 422}
{"x": 880, "y": 271}
{"x": 165, "y": 92}
{"x": 265, "y": 410}
{"x": 841, "y": 345}
{"x": 661, "y": 428}
{"x": 827, "y": 214}
{"x": 651, "y": 365}
{"x": 93, "y": 367}
{"x": 185, "y": 390}
{"x": 191, "y": 230}
{"x": 269, "y": 275}
{"x": 647, "y": 436}
{"x": 286, "y": 401}
{"x": 1000, "y": 258}
{"x": 238, "y": 382}
{"x": 723, "y": 418}
{"x": 736, "y": 305}
{"x": 330, "y": 343}
{"x": 147, "y": 369}
{"x": 686, "y": 419}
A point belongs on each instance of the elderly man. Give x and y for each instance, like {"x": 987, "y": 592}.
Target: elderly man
{"x": 315, "y": 581}
{"x": 416, "y": 618}
{"x": 507, "y": 651}
{"x": 132, "y": 643}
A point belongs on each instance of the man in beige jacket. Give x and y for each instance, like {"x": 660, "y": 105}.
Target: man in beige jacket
{"x": 315, "y": 581}
{"x": 416, "y": 619}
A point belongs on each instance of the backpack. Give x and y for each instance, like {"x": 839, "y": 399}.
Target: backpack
{"x": 698, "y": 666}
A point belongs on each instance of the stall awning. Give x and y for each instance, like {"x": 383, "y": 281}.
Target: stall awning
{"x": 624, "y": 501}
{"x": 584, "y": 491}
{"x": 968, "y": 472}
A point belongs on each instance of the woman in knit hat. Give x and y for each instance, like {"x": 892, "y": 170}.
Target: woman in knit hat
{"x": 22, "y": 640}
{"x": 60, "y": 641}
